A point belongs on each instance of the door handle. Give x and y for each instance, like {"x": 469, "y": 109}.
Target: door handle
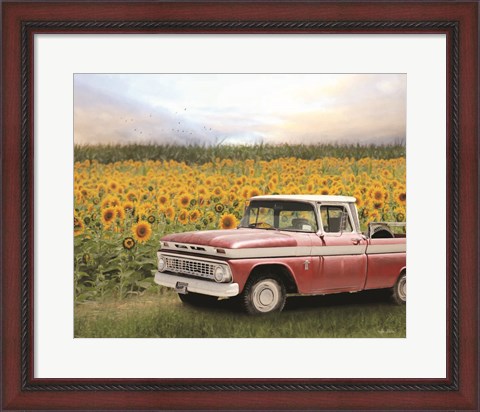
{"x": 356, "y": 240}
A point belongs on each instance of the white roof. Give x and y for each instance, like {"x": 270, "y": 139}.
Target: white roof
{"x": 308, "y": 198}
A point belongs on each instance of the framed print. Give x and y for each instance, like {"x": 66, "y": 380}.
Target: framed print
{"x": 149, "y": 120}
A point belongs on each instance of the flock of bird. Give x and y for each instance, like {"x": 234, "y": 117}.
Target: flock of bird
{"x": 179, "y": 129}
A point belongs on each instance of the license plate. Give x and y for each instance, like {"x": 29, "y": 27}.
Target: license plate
{"x": 181, "y": 287}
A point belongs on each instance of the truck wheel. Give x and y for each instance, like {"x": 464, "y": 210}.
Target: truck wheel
{"x": 264, "y": 294}
{"x": 399, "y": 291}
{"x": 198, "y": 300}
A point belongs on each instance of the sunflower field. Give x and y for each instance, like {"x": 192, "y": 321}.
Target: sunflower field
{"x": 123, "y": 208}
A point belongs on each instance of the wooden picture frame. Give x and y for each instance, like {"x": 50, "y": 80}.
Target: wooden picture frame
{"x": 22, "y": 20}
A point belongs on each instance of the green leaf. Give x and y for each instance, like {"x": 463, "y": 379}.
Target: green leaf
{"x": 145, "y": 284}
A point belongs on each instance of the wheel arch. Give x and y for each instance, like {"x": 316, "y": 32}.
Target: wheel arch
{"x": 278, "y": 269}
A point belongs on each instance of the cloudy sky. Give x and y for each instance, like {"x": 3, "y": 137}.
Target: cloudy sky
{"x": 211, "y": 109}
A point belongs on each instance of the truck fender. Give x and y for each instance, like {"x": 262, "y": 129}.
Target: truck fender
{"x": 280, "y": 269}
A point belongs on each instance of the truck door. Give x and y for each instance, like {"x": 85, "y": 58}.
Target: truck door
{"x": 341, "y": 250}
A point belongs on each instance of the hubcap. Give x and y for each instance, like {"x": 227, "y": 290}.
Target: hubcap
{"x": 266, "y": 295}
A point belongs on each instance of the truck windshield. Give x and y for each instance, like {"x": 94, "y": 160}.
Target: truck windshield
{"x": 276, "y": 215}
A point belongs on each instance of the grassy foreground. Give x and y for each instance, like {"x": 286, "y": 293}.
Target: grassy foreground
{"x": 363, "y": 315}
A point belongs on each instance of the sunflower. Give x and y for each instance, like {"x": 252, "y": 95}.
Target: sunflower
{"x": 201, "y": 199}
{"x": 310, "y": 187}
{"x": 119, "y": 212}
{"x": 132, "y": 196}
{"x": 151, "y": 219}
{"x": 219, "y": 208}
{"x": 128, "y": 243}
{"x": 377, "y": 194}
{"x": 110, "y": 201}
{"x": 128, "y": 206}
{"x": 108, "y": 215}
{"x": 254, "y": 192}
{"x": 360, "y": 201}
{"x": 228, "y": 221}
{"x": 170, "y": 212}
{"x": 78, "y": 226}
{"x": 378, "y": 204}
{"x": 387, "y": 174}
{"x": 101, "y": 188}
{"x": 162, "y": 199}
{"x": 202, "y": 190}
{"x": 183, "y": 216}
{"x": 245, "y": 192}
{"x": 210, "y": 216}
{"x": 374, "y": 216}
{"x": 194, "y": 215}
{"x": 142, "y": 231}
{"x": 113, "y": 186}
{"x": 218, "y": 191}
{"x": 184, "y": 200}
{"x": 325, "y": 191}
{"x": 401, "y": 196}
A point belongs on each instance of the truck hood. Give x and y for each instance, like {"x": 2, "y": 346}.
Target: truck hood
{"x": 236, "y": 239}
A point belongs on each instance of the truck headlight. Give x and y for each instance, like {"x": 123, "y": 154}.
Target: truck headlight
{"x": 162, "y": 264}
{"x": 221, "y": 274}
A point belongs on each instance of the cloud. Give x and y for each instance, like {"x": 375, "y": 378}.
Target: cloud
{"x": 243, "y": 109}
{"x": 111, "y": 115}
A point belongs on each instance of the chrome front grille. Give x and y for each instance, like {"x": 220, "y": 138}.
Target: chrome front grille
{"x": 190, "y": 267}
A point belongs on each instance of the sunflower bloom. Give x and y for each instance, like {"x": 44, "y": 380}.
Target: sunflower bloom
{"x": 325, "y": 191}
{"x": 170, "y": 212}
{"x": 401, "y": 196}
{"x": 162, "y": 200}
{"x": 119, "y": 212}
{"x": 184, "y": 200}
{"x": 378, "y": 204}
{"x": 142, "y": 231}
{"x": 128, "y": 206}
{"x": 151, "y": 219}
{"x": 128, "y": 243}
{"x": 377, "y": 194}
{"x": 108, "y": 216}
{"x": 183, "y": 216}
{"x": 78, "y": 226}
{"x": 228, "y": 221}
{"x": 132, "y": 196}
{"x": 219, "y": 208}
{"x": 113, "y": 186}
{"x": 254, "y": 192}
{"x": 194, "y": 215}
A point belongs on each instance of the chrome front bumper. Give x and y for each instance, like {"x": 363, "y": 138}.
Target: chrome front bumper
{"x": 204, "y": 287}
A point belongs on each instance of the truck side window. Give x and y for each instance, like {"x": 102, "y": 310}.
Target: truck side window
{"x": 332, "y": 217}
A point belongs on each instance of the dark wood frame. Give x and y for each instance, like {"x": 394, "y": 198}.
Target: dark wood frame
{"x": 21, "y": 20}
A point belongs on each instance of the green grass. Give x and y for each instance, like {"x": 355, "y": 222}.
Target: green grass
{"x": 203, "y": 154}
{"x": 363, "y": 315}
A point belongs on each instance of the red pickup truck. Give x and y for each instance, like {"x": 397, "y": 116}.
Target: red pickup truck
{"x": 285, "y": 245}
